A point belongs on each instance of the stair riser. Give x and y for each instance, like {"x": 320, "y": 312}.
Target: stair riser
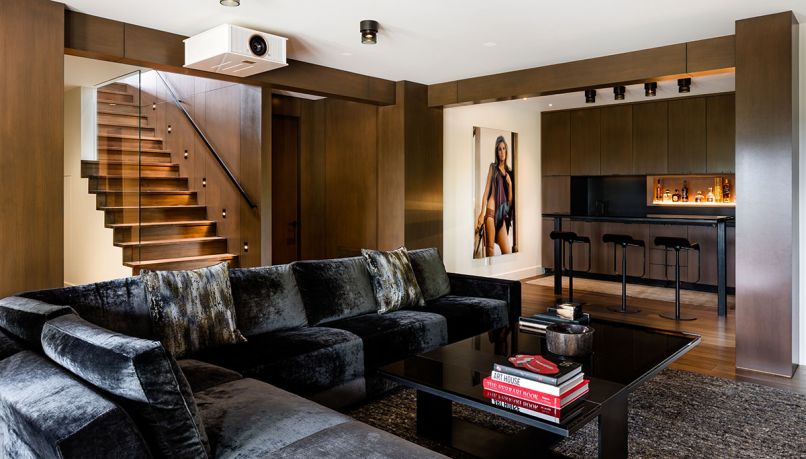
{"x": 130, "y": 184}
{"x": 134, "y": 199}
{"x": 122, "y": 109}
{"x": 133, "y": 155}
{"x": 176, "y": 214}
{"x": 127, "y": 130}
{"x": 111, "y": 142}
{"x": 185, "y": 265}
{"x": 122, "y": 120}
{"x": 189, "y": 249}
{"x": 104, "y": 96}
{"x": 129, "y": 170}
{"x": 164, "y": 232}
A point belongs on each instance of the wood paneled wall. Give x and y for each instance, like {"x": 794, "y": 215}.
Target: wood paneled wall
{"x": 767, "y": 219}
{"x": 229, "y": 115}
{"x": 31, "y": 145}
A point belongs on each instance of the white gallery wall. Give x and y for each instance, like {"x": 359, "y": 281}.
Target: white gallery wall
{"x": 459, "y": 188}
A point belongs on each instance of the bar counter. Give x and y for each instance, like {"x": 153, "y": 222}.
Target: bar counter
{"x": 719, "y": 222}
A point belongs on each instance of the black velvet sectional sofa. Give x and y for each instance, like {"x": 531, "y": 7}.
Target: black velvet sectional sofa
{"x": 314, "y": 337}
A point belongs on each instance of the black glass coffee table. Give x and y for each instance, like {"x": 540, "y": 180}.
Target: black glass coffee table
{"x": 624, "y": 356}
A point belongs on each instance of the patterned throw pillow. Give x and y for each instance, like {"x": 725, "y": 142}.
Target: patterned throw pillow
{"x": 393, "y": 280}
{"x": 192, "y": 310}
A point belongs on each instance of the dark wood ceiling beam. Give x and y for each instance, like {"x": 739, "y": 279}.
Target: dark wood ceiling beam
{"x": 105, "y": 39}
{"x": 703, "y": 56}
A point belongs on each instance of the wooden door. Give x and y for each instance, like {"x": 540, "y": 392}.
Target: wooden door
{"x": 687, "y": 142}
{"x": 650, "y": 137}
{"x": 721, "y": 134}
{"x": 285, "y": 189}
{"x": 585, "y": 142}
{"x": 617, "y": 150}
{"x": 555, "y": 133}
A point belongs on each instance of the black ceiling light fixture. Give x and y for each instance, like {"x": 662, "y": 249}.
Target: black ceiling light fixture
{"x": 684, "y": 85}
{"x": 590, "y": 96}
{"x": 650, "y": 89}
{"x": 369, "y": 32}
{"x": 618, "y": 92}
{"x": 230, "y": 2}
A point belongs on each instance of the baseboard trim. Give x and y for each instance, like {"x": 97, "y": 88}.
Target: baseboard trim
{"x": 523, "y": 273}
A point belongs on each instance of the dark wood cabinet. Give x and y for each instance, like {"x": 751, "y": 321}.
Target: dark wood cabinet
{"x": 650, "y": 138}
{"x": 616, "y": 140}
{"x": 547, "y": 247}
{"x": 556, "y": 194}
{"x": 585, "y": 142}
{"x": 721, "y": 134}
{"x": 687, "y": 136}
{"x": 555, "y": 132}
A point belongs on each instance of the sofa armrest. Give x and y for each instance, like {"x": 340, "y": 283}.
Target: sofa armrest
{"x": 489, "y": 287}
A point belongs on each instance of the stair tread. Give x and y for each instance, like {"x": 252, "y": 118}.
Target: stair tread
{"x": 103, "y": 111}
{"x": 180, "y": 192}
{"x": 127, "y": 163}
{"x": 170, "y": 241}
{"x": 116, "y": 125}
{"x": 155, "y": 224}
{"x": 115, "y": 102}
{"x": 130, "y": 137}
{"x": 222, "y": 256}
{"x": 112, "y": 91}
{"x": 116, "y": 149}
{"x": 179, "y": 206}
{"x": 133, "y": 178}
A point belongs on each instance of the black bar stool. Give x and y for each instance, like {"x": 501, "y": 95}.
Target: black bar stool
{"x": 624, "y": 241}
{"x": 571, "y": 238}
{"x": 677, "y": 244}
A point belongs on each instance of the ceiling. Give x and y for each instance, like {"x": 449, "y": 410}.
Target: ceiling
{"x": 442, "y": 40}
{"x": 79, "y": 71}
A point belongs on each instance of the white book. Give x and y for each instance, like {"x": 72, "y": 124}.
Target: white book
{"x": 538, "y": 386}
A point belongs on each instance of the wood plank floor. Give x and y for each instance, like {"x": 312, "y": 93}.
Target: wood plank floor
{"x": 716, "y": 354}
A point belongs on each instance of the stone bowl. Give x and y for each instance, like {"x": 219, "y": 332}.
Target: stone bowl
{"x": 570, "y": 340}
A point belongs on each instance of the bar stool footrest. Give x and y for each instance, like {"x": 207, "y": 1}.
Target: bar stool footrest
{"x": 628, "y": 310}
{"x": 671, "y": 316}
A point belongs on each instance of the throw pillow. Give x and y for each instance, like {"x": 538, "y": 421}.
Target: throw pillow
{"x": 393, "y": 280}
{"x": 141, "y": 373}
{"x": 192, "y": 310}
{"x": 430, "y": 273}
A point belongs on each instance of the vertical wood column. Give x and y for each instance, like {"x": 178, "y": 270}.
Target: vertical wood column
{"x": 265, "y": 176}
{"x": 31, "y": 145}
{"x": 767, "y": 177}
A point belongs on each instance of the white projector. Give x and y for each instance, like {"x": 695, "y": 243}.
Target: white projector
{"x": 234, "y": 50}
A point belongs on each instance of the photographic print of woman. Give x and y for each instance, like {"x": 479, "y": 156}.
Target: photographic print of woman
{"x": 495, "y": 232}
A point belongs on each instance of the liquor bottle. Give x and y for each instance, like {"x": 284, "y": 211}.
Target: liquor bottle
{"x": 667, "y": 196}
{"x": 726, "y": 191}
{"x": 676, "y": 196}
{"x": 659, "y": 192}
{"x": 698, "y": 197}
{"x": 710, "y": 196}
{"x": 684, "y": 194}
{"x": 718, "y": 189}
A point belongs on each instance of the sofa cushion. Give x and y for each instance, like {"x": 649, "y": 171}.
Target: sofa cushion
{"x": 396, "y": 335}
{"x": 141, "y": 373}
{"x": 249, "y": 418}
{"x": 266, "y": 299}
{"x": 335, "y": 289}
{"x": 9, "y": 345}
{"x": 430, "y": 272}
{"x": 24, "y": 317}
{"x": 305, "y": 360}
{"x": 193, "y": 309}
{"x": 393, "y": 280}
{"x": 201, "y": 375}
{"x": 469, "y": 316}
{"x": 47, "y": 412}
{"x": 118, "y": 305}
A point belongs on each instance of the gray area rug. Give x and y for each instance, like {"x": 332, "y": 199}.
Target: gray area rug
{"x": 675, "y": 415}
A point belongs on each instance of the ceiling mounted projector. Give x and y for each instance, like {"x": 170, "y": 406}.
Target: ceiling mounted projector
{"x": 234, "y": 50}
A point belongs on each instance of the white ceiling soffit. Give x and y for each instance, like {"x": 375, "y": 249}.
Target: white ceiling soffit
{"x": 79, "y": 71}
{"x": 298, "y": 95}
{"x": 431, "y": 41}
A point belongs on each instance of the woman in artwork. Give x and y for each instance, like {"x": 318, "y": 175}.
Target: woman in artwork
{"x": 496, "y": 211}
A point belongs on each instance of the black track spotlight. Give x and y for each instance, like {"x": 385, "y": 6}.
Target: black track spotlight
{"x": 650, "y": 89}
{"x": 684, "y": 85}
{"x": 590, "y": 96}
{"x": 369, "y": 32}
{"x": 618, "y": 92}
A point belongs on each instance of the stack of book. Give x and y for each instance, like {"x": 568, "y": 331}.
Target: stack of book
{"x": 539, "y": 322}
{"x": 548, "y": 396}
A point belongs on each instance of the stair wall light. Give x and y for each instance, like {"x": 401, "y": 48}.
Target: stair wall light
{"x": 204, "y": 182}
{"x": 223, "y": 213}
{"x": 153, "y": 105}
{"x": 169, "y": 129}
{"x": 245, "y": 246}
{"x": 186, "y": 154}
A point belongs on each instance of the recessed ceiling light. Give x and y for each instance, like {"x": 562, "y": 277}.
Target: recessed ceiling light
{"x": 369, "y": 31}
{"x": 346, "y": 54}
{"x": 551, "y": 105}
{"x": 490, "y": 44}
{"x": 230, "y": 2}
{"x": 524, "y": 98}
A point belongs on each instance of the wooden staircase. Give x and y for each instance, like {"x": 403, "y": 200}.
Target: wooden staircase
{"x": 155, "y": 216}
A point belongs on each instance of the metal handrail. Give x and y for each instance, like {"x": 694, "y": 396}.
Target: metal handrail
{"x": 178, "y": 103}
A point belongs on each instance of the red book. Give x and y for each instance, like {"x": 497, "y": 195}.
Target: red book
{"x": 533, "y": 409}
{"x": 554, "y": 401}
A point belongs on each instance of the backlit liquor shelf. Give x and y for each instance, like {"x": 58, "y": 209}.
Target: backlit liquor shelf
{"x": 691, "y": 190}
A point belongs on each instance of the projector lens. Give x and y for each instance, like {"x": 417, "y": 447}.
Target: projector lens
{"x": 258, "y": 45}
